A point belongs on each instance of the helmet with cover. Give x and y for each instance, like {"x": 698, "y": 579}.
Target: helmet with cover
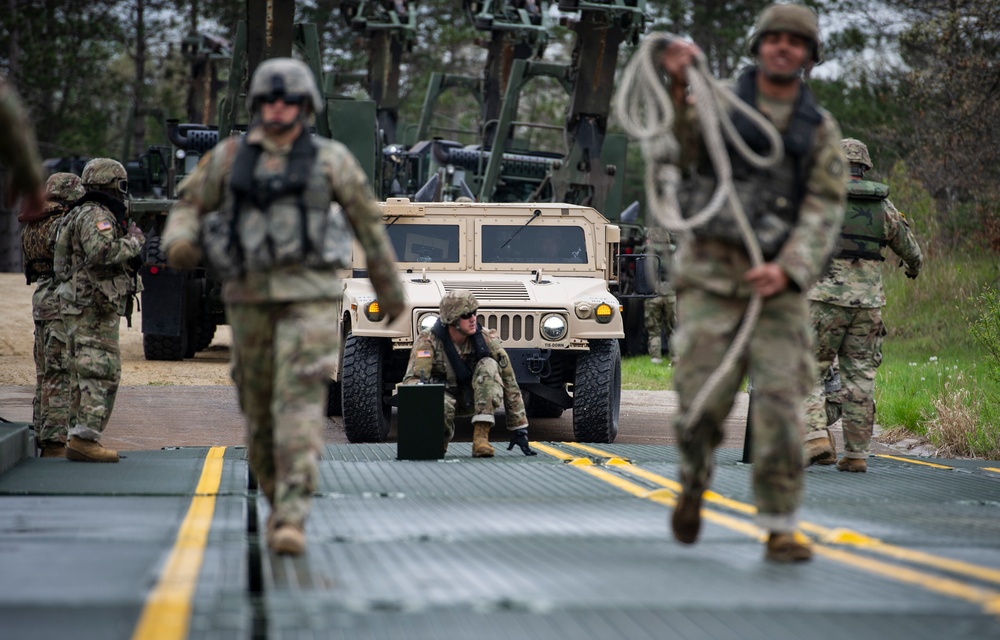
{"x": 285, "y": 78}
{"x": 457, "y": 303}
{"x": 66, "y": 187}
{"x": 788, "y": 18}
{"x": 106, "y": 174}
{"x": 856, "y": 152}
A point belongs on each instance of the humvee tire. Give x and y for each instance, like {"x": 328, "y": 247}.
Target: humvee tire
{"x": 366, "y": 416}
{"x": 597, "y": 392}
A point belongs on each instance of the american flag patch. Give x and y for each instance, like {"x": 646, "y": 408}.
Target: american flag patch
{"x": 423, "y": 353}
{"x": 103, "y": 225}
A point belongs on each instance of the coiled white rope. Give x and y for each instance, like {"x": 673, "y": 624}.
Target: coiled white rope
{"x": 645, "y": 109}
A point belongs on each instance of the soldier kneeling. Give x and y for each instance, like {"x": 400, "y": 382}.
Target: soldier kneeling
{"x": 475, "y": 370}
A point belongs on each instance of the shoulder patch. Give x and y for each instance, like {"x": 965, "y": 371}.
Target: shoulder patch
{"x": 423, "y": 353}
{"x": 103, "y": 225}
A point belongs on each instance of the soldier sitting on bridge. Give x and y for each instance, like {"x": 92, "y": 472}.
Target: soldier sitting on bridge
{"x": 475, "y": 370}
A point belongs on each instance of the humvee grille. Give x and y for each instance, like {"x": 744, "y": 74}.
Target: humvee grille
{"x": 490, "y": 290}
{"x": 511, "y": 326}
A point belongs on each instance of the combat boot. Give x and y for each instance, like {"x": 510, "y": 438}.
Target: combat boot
{"x": 820, "y": 450}
{"x": 52, "y": 449}
{"x": 783, "y": 547}
{"x": 82, "y": 450}
{"x": 287, "y": 540}
{"x": 686, "y": 519}
{"x": 481, "y": 440}
{"x": 856, "y": 465}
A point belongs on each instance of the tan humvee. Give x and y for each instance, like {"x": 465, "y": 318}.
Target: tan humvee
{"x": 541, "y": 273}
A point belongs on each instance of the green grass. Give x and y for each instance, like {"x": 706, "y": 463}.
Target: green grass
{"x": 639, "y": 373}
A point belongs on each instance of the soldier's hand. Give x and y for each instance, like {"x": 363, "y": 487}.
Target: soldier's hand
{"x": 135, "y": 232}
{"x": 183, "y": 254}
{"x": 520, "y": 438}
{"x": 912, "y": 274}
{"x": 393, "y": 309}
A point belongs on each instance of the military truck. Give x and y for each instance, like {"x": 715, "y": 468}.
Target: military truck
{"x": 544, "y": 274}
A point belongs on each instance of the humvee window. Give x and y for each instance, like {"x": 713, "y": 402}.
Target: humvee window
{"x": 531, "y": 244}
{"x": 425, "y": 242}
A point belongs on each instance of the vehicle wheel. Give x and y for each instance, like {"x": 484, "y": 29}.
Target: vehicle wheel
{"x": 597, "y": 392}
{"x": 334, "y": 400}
{"x": 366, "y": 417}
{"x": 539, "y": 407}
{"x": 163, "y": 347}
{"x": 204, "y": 332}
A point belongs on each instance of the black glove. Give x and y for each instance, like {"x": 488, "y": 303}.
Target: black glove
{"x": 520, "y": 438}
{"x": 912, "y": 275}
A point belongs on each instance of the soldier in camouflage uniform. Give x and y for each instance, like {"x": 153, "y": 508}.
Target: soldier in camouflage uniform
{"x": 476, "y": 372}
{"x": 52, "y": 380}
{"x": 263, "y": 210}
{"x": 659, "y": 310}
{"x": 803, "y": 198}
{"x": 19, "y": 154}
{"x": 95, "y": 263}
{"x": 846, "y": 304}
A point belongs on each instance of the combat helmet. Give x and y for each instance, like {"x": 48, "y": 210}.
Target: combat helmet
{"x": 288, "y": 78}
{"x": 788, "y": 18}
{"x": 105, "y": 173}
{"x": 856, "y": 152}
{"x": 66, "y": 187}
{"x": 455, "y": 304}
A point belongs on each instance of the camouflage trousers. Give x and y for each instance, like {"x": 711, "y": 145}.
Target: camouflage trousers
{"x": 282, "y": 358}
{"x": 854, "y": 337}
{"x": 486, "y": 398}
{"x": 52, "y": 382}
{"x": 779, "y": 361}
{"x": 659, "y": 319}
{"x": 95, "y": 369}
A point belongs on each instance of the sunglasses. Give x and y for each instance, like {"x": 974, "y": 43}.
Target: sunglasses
{"x": 466, "y": 316}
{"x": 290, "y": 99}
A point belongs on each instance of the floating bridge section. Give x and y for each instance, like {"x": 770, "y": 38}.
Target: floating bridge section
{"x": 572, "y": 543}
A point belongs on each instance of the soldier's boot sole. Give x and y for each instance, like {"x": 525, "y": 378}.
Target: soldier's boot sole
{"x": 854, "y": 465}
{"x": 80, "y": 450}
{"x": 821, "y": 450}
{"x": 685, "y": 522}
{"x": 785, "y": 547}
{"x": 481, "y": 441}
{"x": 287, "y": 540}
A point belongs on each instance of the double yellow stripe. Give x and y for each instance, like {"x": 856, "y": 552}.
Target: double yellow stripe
{"x": 167, "y": 613}
{"x": 988, "y": 599}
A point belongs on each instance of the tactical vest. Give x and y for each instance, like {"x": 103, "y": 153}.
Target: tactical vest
{"x": 771, "y": 198}
{"x": 38, "y": 241}
{"x": 272, "y": 221}
{"x": 462, "y": 368}
{"x": 864, "y": 221}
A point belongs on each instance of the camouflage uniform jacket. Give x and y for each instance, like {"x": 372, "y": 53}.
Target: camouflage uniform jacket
{"x": 206, "y": 189}
{"x": 92, "y": 256}
{"x": 428, "y": 345}
{"x": 17, "y": 142}
{"x": 657, "y": 242}
{"x": 855, "y": 282}
{"x": 716, "y": 267}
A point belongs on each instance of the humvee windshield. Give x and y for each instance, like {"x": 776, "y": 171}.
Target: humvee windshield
{"x": 541, "y": 244}
{"x": 425, "y": 242}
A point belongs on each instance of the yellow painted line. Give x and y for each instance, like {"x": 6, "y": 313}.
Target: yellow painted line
{"x": 552, "y": 451}
{"x": 993, "y": 469}
{"x": 845, "y": 537}
{"x": 167, "y": 613}
{"x": 912, "y": 461}
{"x": 988, "y": 599}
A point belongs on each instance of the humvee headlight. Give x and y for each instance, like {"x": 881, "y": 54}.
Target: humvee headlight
{"x": 427, "y": 321}
{"x": 604, "y": 312}
{"x": 553, "y": 327}
{"x": 373, "y": 312}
